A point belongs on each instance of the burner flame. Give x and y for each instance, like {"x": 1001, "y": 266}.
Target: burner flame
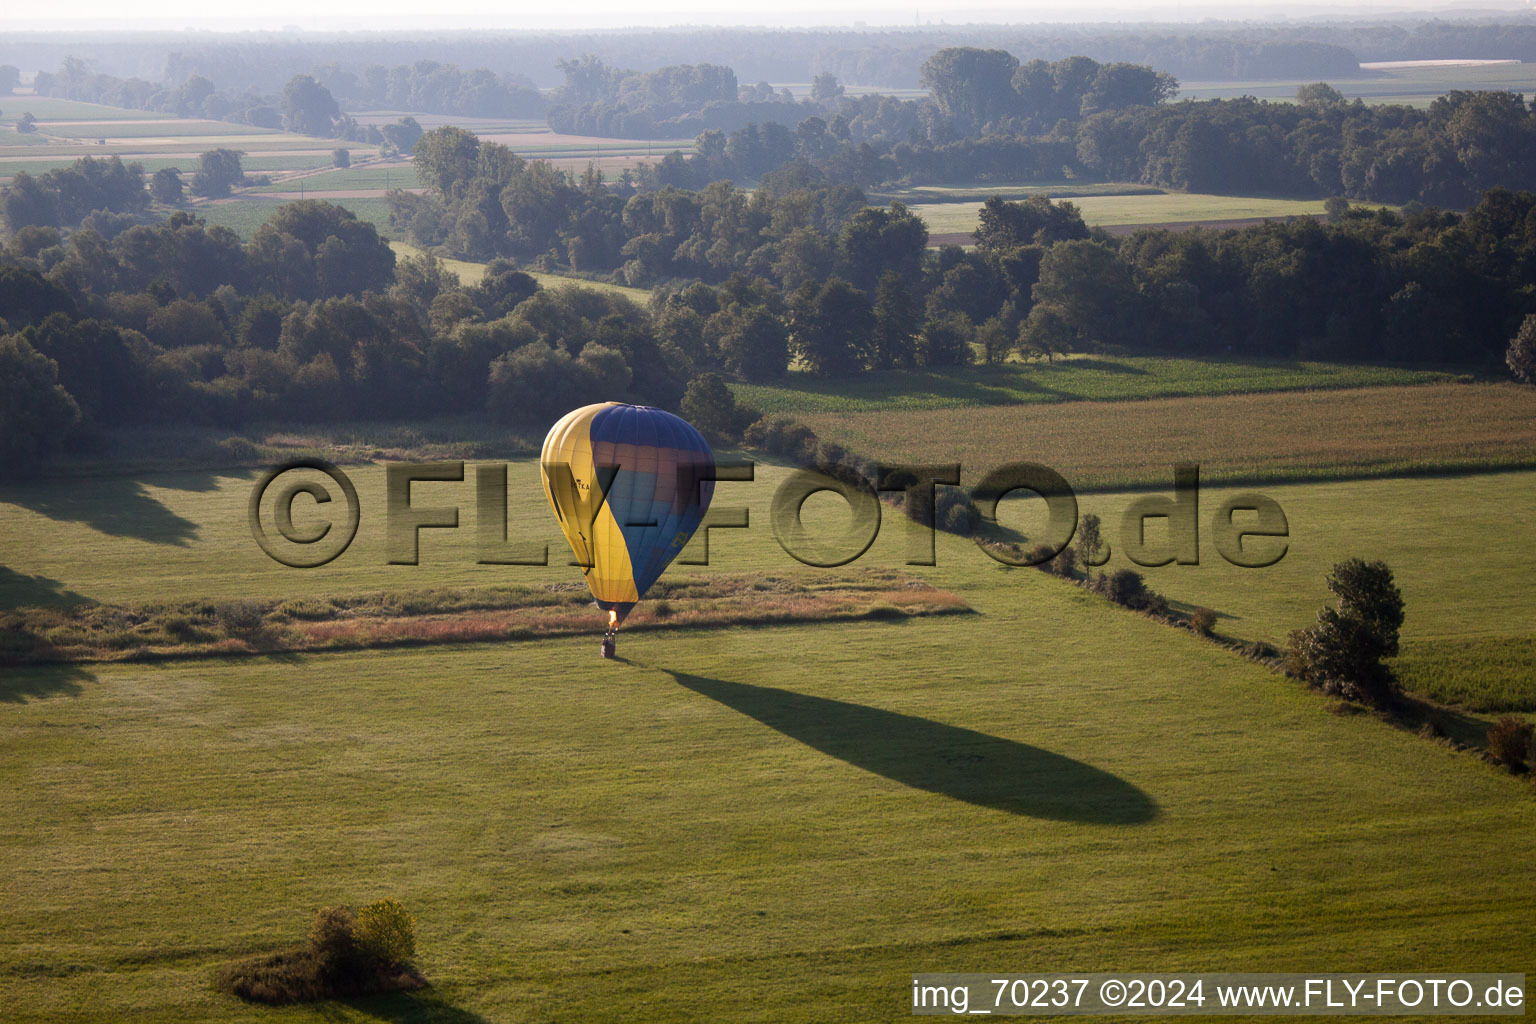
{"x": 613, "y": 618}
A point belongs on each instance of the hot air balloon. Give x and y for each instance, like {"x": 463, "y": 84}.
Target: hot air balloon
{"x": 629, "y": 485}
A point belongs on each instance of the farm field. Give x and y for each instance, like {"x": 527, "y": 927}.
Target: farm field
{"x": 1409, "y": 82}
{"x": 571, "y": 832}
{"x": 1291, "y": 435}
{"x": 470, "y": 273}
{"x": 1073, "y": 378}
{"x": 244, "y": 214}
{"x": 951, "y": 218}
{"x": 394, "y": 175}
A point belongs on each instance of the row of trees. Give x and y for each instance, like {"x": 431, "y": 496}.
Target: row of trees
{"x": 312, "y": 318}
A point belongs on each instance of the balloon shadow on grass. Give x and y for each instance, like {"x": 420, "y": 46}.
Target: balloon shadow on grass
{"x": 988, "y": 771}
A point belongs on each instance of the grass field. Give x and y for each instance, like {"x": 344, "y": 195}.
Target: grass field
{"x": 1291, "y": 435}
{"x": 1102, "y": 378}
{"x": 944, "y": 218}
{"x": 245, "y": 214}
{"x": 346, "y": 178}
{"x": 1049, "y": 781}
{"x": 1413, "y": 85}
{"x": 470, "y": 273}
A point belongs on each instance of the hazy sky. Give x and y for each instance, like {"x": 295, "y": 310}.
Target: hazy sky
{"x": 443, "y": 14}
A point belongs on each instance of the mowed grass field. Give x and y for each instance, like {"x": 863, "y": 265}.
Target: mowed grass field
{"x": 1074, "y": 378}
{"x": 757, "y": 824}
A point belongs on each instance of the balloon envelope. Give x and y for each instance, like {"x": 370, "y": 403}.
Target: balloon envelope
{"x": 629, "y": 485}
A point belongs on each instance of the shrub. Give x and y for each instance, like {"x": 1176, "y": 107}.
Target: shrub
{"x": 1065, "y": 563}
{"x": 954, "y": 512}
{"x": 1123, "y": 586}
{"x": 331, "y": 945}
{"x": 1202, "y": 621}
{"x": 240, "y": 618}
{"x": 239, "y": 449}
{"x": 340, "y": 157}
{"x": 1509, "y": 742}
{"x": 384, "y": 934}
{"x": 1343, "y": 653}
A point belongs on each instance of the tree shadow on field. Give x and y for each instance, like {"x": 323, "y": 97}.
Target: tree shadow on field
{"x": 38, "y": 682}
{"x": 115, "y": 505}
{"x": 19, "y": 590}
{"x": 988, "y": 771}
{"x": 403, "y": 1007}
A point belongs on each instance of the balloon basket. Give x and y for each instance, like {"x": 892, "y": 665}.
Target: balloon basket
{"x": 610, "y": 642}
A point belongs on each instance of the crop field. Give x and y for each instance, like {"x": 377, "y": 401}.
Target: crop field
{"x": 49, "y": 108}
{"x": 1289, "y": 435}
{"x": 68, "y": 130}
{"x": 571, "y": 832}
{"x": 1075, "y": 378}
{"x": 244, "y": 214}
{"x": 951, "y": 218}
{"x": 1409, "y": 82}
{"x": 470, "y": 273}
{"x": 394, "y": 175}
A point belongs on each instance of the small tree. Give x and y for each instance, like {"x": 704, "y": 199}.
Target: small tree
{"x": 1521, "y": 356}
{"x": 1343, "y": 653}
{"x": 1090, "y": 542}
{"x": 166, "y": 186}
{"x": 26, "y": 124}
{"x": 340, "y": 157}
{"x": 710, "y": 406}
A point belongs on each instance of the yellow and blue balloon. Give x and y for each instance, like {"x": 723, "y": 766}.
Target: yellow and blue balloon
{"x": 629, "y": 485}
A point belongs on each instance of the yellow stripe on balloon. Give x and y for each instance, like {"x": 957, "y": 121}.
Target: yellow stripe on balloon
{"x": 574, "y": 492}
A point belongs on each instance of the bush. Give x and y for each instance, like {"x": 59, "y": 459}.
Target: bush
{"x": 1509, "y": 742}
{"x": 331, "y": 945}
{"x": 384, "y": 934}
{"x": 240, "y": 618}
{"x": 1064, "y": 564}
{"x": 345, "y": 955}
{"x": 1202, "y": 621}
{"x": 954, "y": 512}
{"x": 341, "y": 158}
{"x": 1342, "y": 655}
{"x": 1123, "y": 586}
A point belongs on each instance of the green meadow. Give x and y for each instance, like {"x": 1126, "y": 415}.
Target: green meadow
{"x": 771, "y": 823}
{"x": 1075, "y": 378}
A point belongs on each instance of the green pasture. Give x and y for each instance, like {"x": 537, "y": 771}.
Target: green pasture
{"x": 1101, "y": 378}
{"x": 751, "y": 824}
